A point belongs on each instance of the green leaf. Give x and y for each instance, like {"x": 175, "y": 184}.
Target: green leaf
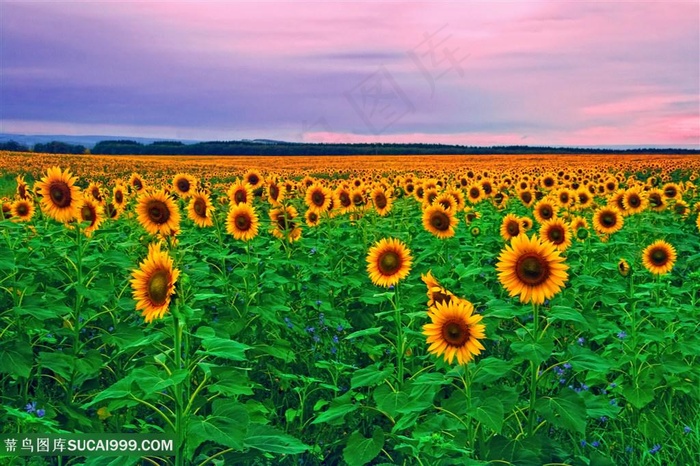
{"x": 227, "y": 426}
{"x": 567, "y": 411}
{"x": 490, "y": 369}
{"x": 119, "y": 389}
{"x": 370, "y": 376}
{"x": 490, "y": 413}
{"x": 16, "y": 357}
{"x": 338, "y": 409}
{"x": 361, "y": 450}
{"x": 536, "y": 352}
{"x": 364, "y": 333}
{"x": 389, "y": 401}
{"x": 638, "y": 396}
{"x": 587, "y": 360}
{"x": 59, "y": 363}
{"x": 566, "y": 314}
{"x": 267, "y": 438}
{"x": 221, "y": 347}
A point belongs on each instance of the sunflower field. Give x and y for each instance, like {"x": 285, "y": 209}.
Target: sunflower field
{"x": 355, "y": 310}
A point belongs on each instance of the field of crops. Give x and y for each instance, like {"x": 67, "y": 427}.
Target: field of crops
{"x": 349, "y": 310}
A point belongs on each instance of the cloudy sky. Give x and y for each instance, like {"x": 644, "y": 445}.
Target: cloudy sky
{"x": 475, "y": 73}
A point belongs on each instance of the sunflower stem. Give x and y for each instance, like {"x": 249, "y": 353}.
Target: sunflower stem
{"x": 177, "y": 389}
{"x": 399, "y": 335}
{"x": 78, "y": 305}
{"x": 534, "y": 371}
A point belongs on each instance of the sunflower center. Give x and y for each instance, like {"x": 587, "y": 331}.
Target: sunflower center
{"x": 634, "y": 201}
{"x": 60, "y": 194}
{"x": 389, "y": 263}
{"x": 240, "y": 197}
{"x": 318, "y": 198}
{"x": 532, "y": 269}
{"x": 474, "y": 193}
{"x": 253, "y": 180}
{"x": 487, "y": 188}
{"x": 357, "y": 199}
{"x": 200, "y": 207}
{"x": 440, "y": 297}
{"x": 137, "y": 184}
{"x": 158, "y": 287}
{"x": 183, "y": 185}
{"x": 655, "y": 200}
{"x": 513, "y": 228}
{"x": 608, "y": 219}
{"x": 119, "y": 197}
{"x": 22, "y": 210}
{"x": 345, "y": 200}
{"x": 380, "y": 201}
{"x": 670, "y": 192}
{"x": 546, "y": 212}
{"x": 243, "y": 222}
{"x": 274, "y": 191}
{"x": 526, "y": 197}
{"x": 440, "y": 221}
{"x": 87, "y": 214}
{"x": 555, "y": 235}
{"x": 679, "y": 209}
{"x": 658, "y": 257}
{"x": 455, "y": 333}
{"x": 158, "y": 212}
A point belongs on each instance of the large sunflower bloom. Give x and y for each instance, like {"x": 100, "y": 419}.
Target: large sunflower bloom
{"x": 607, "y": 220}
{"x": 242, "y": 222}
{"x": 240, "y": 193}
{"x": 659, "y": 257}
{"x": 454, "y": 331}
{"x": 158, "y": 213}
{"x": 532, "y": 269}
{"x": 388, "y": 262}
{"x": 200, "y": 209}
{"x": 318, "y": 198}
{"x": 60, "y": 198}
{"x": 557, "y": 232}
{"x": 439, "y": 221}
{"x": 545, "y": 209}
{"x": 154, "y": 283}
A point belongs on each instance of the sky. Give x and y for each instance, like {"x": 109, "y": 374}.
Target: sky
{"x": 564, "y": 73}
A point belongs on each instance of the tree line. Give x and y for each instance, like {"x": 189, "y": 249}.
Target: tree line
{"x": 128, "y": 147}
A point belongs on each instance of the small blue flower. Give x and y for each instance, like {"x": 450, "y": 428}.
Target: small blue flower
{"x": 319, "y": 302}
{"x": 687, "y": 430}
{"x": 622, "y": 335}
{"x": 317, "y": 338}
{"x": 339, "y": 328}
{"x": 584, "y": 387}
{"x": 562, "y": 381}
{"x": 40, "y": 412}
{"x": 567, "y": 366}
{"x": 288, "y": 322}
{"x": 613, "y": 401}
{"x": 31, "y": 407}
{"x": 603, "y": 419}
{"x": 595, "y": 444}
{"x": 334, "y": 350}
{"x": 581, "y": 341}
{"x": 335, "y": 338}
{"x": 391, "y": 287}
{"x": 655, "y": 449}
{"x": 310, "y": 329}
{"x": 613, "y": 385}
{"x": 629, "y": 449}
{"x": 583, "y": 443}
{"x": 313, "y": 251}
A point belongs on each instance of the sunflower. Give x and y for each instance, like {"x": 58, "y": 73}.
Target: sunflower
{"x": 342, "y": 195}
{"x": 137, "y": 183}
{"x": 526, "y": 223}
{"x": 565, "y": 198}
{"x": 623, "y": 267}
{"x": 119, "y": 196}
{"x": 659, "y": 257}
{"x": 318, "y": 198}
{"x": 671, "y": 191}
{"x": 617, "y": 200}
{"x": 680, "y": 207}
{"x": 436, "y": 293}
{"x": 578, "y": 226}
{"x": 510, "y": 227}
{"x": 388, "y": 262}
{"x": 657, "y": 202}
{"x": 91, "y": 211}
{"x": 475, "y": 193}
{"x": 184, "y": 185}
{"x": 22, "y": 188}
{"x": 454, "y": 331}
{"x": 607, "y": 220}
{"x": 382, "y": 201}
{"x": 253, "y": 178}
{"x": 22, "y": 210}
{"x": 697, "y": 222}
{"x": 6, "y": 209}
{"x": 359, "y": 200}
{"x": 240, "y": 192}
{"x": 312, "y": 219}
{"x": 634, "y": 201}
{"x": 60, "y": 198}
{"x": 242, "y": 222}
{"x": 200, "y": 209}
{"x": 527, "y": 197}
{"x": 470, "y": 215}
{"x": 439, "y": 221}
{"x": 545, "y": 210}
{"x": 94, "y": 190}
{"x": 285, "y": 224}
{"x": 532, "y": 269}
{"x": 557, "y": 232}
{"x": 275, "y": 192}
{"x": 111, "y": 210}
{"x": 154, "y": 283}
{"x": 158, "y": 213}
{"x": 583, "y": 198}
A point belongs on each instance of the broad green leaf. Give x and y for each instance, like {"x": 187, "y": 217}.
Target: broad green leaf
{"x": 338, "y": 409}
{"x": 228, "y": 429}
{"x": 369, "y": 376}
{"x": 489, "y": 412}
{"x": 364, "y": 333}
{"x": 536, "y": 352}
{"x": 567, "y": 411}
{"x": 389, "y": 401}
{"x": 490, "y": 369}
{"x": 221, "y": 347}
{"x": 16, "y": 358}
{"x": 638, "y": 396}
{"x": 269, "y": 439}
{"x": 360, "y": 450}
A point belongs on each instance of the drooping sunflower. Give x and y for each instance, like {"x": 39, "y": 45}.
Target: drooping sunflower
{"x": 22, "y": 210}
{"x": 454, "y": 331}
{"x": 681, "y": 208}
{"x": 91, "y": 211}
{"x": 284, "y": 223}
{"x": 240, "y": 192}
{"x": 510, "y": 227}
{"x": 382, "y": 201}
{"x": 470, "y": 215}
{"x": 158, "y": 213}
{"x": 623, "y": 267}
{"x": 388, "y": 262}
{"x": 60, "y": 198}
{"x": 544, "y": 210}
{"x": 275, "y": 192}
{"x": 200, "y": 209}
{"x": 153, "y": 283}
{"x": 659, "y": 257}
{"x": 526, "y": 223}
{"x": 94, "y": 190}
{"x": 342, "y": 195}
{"x": 318, "y": 198}
{"x": 607, "y": 220}
{"x": 111, "y": 210}
{"x": 22, "y": 188}
{"x": 439, "y": 221}
{"x": 436, "y": 293}
{"x": 242, "y": 222}
{"x": 137, "y": 183}
{"x": 579, "y": 226}
{"x": 532, "y": 269}
{"x": 6, "y": 209}
{"x": 184, "y": 185}
{"x": 557, "y": 232}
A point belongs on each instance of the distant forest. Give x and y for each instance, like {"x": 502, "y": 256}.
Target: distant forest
{"x": 126, "y": 147}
